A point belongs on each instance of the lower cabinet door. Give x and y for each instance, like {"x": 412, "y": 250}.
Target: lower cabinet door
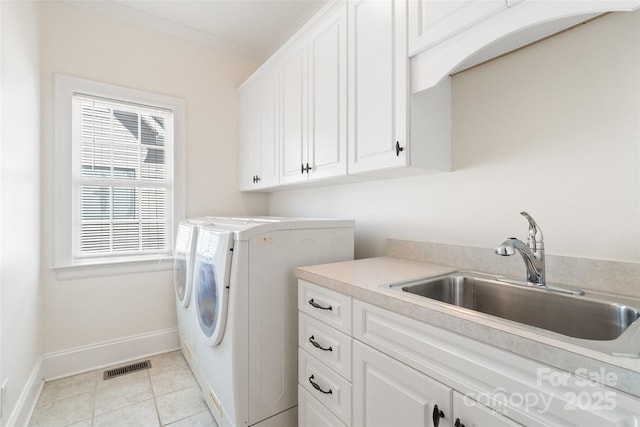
{"x": 389, "y": 393}
{"x": 312, "y": 413}
{"x": 469, "y": 413}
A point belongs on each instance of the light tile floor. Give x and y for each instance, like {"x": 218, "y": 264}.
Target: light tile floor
{"x": 165, "y": 395}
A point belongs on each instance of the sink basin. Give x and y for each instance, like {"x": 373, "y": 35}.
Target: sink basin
{"x": 588, "y": 317}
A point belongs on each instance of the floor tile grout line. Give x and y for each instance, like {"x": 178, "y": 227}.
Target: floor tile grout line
{"x": 155, "y": 403}
{"x": 168, "y": 363}
{"x": 58, "y": 399}
{"x": 121, "y": 407}
{"x": 176, "y": 391}
{"x": 95, "y": 392}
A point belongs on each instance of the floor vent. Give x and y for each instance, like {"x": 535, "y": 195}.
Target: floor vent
{"x": 116, "y": 372}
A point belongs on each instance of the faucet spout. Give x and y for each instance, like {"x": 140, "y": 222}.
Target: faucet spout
{"x": 534, "y": 261}
{"x": 532, "y": 253}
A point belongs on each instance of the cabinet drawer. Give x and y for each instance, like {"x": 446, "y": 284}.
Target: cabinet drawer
{"x": 328, "y": 387}
{"x": 311, "y": 413}
{"x": 325, "y": 343}
{"x": 331, "y": 307}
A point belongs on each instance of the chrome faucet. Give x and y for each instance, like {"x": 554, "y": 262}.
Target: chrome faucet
{"x": 532, "y": 252}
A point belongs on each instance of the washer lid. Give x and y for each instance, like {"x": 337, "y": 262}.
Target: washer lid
{"x": 211, "y": 282}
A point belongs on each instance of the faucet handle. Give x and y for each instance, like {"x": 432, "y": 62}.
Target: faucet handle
{"x": 535, "y": 239}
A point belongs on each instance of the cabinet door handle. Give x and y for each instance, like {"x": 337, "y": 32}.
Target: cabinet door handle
{"x": 257, "y": 178}
{"x": 317, "y": 386}
{"x": 316, "y": 305}
{"x": 308, "y": 168}
{"x": 398, "y": 148}
{"x": 458, "y": 423}
{"x": 316, "y": 344}
{"x": 302, "y": 168}
{"x": 437, "y": 414}
{"x": 254, "y": 179}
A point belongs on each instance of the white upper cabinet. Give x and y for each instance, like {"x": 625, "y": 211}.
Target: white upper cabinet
{"x": 431, "y": 21}
{"x": 247, "y": 137}
{"x": 363, "y": 89}
{"x": 267, "y": 157}
{"x": 377, "y": 85}
{"x": 293, "y": 146}
{"x": 328, "y": 97}
{"x": 314, "y": 103}
{"x": 390, "y": 133}
{"x": 258, "y": 134}
{"x": 447, "y": 36}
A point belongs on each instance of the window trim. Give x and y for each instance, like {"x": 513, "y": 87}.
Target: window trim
{"x": 64, "y": 88}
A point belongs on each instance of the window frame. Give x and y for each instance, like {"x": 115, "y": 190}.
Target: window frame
{"x": 64, "y": 263}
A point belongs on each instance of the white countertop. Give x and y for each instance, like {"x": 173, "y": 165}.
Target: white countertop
{"x": 362, "y": 280}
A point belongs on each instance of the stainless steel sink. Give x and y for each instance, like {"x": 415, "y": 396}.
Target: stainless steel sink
{"x": 592, "y": 316}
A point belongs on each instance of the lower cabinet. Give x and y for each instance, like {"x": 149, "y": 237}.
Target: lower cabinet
{"x": 389, "y": 393}
{"x": 312, "y": 413}
{"x": 324, "y": 357}
{"x": 365, "y": 366}
{"x": 469, "y": 413}
{"x": 329, "y": 388}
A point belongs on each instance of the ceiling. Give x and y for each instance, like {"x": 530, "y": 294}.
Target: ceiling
{"x": 250, "y": 27}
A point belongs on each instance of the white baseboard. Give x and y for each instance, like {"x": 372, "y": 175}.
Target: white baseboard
{"x": 88, "y": 358}
{"x": 27, "y": 401}
{"x": 74, "y": 361}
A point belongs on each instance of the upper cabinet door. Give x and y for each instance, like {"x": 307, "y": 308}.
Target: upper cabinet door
{"x": 266, "y": 154}
{"x": 328, "y": 97}
{"x": 377, "y": 84}
{"x": 258, "y": 132}
{"x": 314, "y": 103}
{"x": 432, "y": 21}
{"x": 293, "y": 147}
{"x": 248, "y": 137}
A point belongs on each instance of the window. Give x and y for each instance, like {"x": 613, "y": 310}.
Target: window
{"x": 118, "y": 155}
{"x": 121, "y": 188}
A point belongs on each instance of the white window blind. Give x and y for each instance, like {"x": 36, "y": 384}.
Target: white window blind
{"x": 122, "y": 178}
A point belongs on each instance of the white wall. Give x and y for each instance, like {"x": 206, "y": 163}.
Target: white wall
{"x": 20, "y": 335}
{"x": 91, "y": 46}
{"x": 552, "y": 129}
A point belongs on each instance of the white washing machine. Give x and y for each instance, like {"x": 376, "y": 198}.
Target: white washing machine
{"x": 245, "y": 295}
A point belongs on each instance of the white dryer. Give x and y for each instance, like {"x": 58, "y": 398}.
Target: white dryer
{"x": 246, "y": 303}
{"x": 211, "y": 281}
{"x": 184, "y": 255}
{"x": 184, "y": 266}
